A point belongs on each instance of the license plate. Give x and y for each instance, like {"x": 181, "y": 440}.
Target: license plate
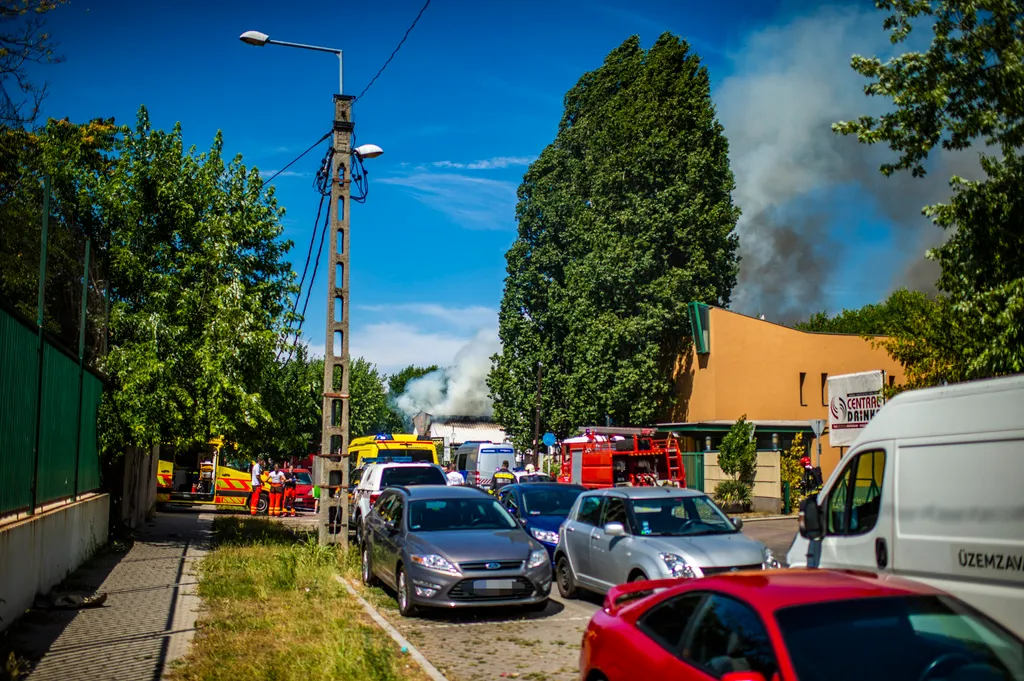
{"x": 494, "y": 584}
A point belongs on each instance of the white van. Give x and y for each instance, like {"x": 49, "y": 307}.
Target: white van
{"x": 932, "y": 489}
{"x": 477, "y": 461}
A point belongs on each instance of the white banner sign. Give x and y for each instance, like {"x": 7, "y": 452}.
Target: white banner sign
{"x": 853, "y": 399}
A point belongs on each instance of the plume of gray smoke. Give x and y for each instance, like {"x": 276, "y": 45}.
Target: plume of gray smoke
{"x": 789, "y": 84}
{"x": 458, "y": 390}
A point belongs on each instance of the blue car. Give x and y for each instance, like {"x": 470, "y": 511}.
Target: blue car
{"x": 541, "y": 507}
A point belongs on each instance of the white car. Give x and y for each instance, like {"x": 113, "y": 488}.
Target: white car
{"x": 377, "y": 477}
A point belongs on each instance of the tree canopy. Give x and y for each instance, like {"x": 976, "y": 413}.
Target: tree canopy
{"x": 963, "y": 90}
{"x": 624, "y": 218}
{"x": 896, "y": 314}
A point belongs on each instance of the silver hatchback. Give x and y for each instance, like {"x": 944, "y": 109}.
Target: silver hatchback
{"x": 625, "y": 534}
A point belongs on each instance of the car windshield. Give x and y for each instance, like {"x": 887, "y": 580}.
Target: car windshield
{"x": 441, "y": 515}
{"x": 680, "y": 516}
{"x": 412, "y": 475}
{"x": 554, "y": 500}
{"x": 909, "y": 637}
{"x": 303, "y": 478}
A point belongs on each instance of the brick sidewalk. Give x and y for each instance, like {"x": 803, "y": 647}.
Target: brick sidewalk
{"x": 148, "y": 619}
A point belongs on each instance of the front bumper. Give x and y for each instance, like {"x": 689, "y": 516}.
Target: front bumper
{"x": 431, "y": 588}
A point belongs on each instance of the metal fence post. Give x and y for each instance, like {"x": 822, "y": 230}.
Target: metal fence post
{"x": 41, "y": 307}
{"x": 81, "y": 361}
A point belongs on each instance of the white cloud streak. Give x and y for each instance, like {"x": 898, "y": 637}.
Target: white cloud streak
{"x": 488, "y": 163}
{"x": 470, "y": 317}
{"x": 288, "y": 173}
{"x": 470, "y": 202}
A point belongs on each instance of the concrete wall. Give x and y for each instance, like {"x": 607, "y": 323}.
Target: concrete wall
{"x": 139, "y": 492}
{"x": 754, "y": 368}
{"x": 767, "y": 490}
{"x": 37, "y": 553}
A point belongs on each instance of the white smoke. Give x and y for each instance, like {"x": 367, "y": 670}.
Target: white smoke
{"x": 797, "y": 182}
{"x": 458, "y": 390}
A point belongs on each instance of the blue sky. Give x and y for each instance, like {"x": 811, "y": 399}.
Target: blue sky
{"x": 473, "y": 96}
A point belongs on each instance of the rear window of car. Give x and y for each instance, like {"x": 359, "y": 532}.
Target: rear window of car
{"x": 412, "y": 475}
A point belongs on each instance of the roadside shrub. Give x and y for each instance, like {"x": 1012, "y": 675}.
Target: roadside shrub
{"x": 734, "y": 492}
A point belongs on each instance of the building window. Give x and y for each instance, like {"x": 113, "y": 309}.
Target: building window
{"x": 824, "y": 390}
{"x": 892, "y": 381}
{"x": 803, "y": 379}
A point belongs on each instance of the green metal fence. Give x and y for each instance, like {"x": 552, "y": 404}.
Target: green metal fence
{"x": 693, "y": 463}
{"x": 41, "y": 404}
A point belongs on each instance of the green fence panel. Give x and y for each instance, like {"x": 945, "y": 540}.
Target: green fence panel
{"x": 19, "y": 371}
{"x": 89, "y": 457}
{"x": 693, "y": 463}
{"x": 59, "y": 432}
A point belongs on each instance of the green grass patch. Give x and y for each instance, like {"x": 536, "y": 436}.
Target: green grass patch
{"x": 274, "y": 611}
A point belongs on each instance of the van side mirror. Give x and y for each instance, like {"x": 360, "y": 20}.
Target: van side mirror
{"x": 811, "y": 526}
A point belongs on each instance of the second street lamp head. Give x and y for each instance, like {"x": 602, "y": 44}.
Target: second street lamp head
{"x": 254, "y": 38}
{"x": 368, "y": 151}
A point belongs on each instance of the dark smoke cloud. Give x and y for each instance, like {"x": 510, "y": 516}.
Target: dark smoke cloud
{"x": 789, "y": 85}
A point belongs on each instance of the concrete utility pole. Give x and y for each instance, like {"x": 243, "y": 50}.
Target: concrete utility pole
{"x": 332, "y": 476}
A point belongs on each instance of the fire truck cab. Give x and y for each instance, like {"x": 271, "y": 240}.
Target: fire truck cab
{"x": 623, "y": 460}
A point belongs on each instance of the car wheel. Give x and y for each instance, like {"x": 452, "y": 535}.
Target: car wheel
{"x": 566, "y": 581}
{"x": 638, "y": 577}
{"x": 536, "y": 607}
{"x": 405, "y": 605}
{"x": 359, "y": 530}
{"x": 369, "y": 579}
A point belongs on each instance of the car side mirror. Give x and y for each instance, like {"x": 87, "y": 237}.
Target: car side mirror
{"x": 737, "y": 522}
{"x": 810, "y": 519}
{"x": 390, "y": 526}
{"x": 743, "y": 676}
{"x": 615, "y": 529}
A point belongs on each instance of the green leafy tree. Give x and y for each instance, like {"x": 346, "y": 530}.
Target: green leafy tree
{"x": 368, "y": 411}
{"x": 891, "y": 316}
{"x": 793, "y": 470}
{"x": 737, "y": 457}
{"x": 964, "y": 89}
{"x": 623, "y": 219}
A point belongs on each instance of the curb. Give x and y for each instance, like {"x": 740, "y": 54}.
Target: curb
{"x": 430, "y": 669}
{"x": 769, "y": 517}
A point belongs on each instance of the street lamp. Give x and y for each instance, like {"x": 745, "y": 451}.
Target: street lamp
{"x": 259, "y": 39}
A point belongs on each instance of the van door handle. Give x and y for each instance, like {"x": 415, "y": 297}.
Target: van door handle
{"x": 881, "y": 553}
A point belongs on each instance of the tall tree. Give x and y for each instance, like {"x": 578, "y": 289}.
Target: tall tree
{"x": 623, "y": 219}
{"x": 368, "y": 411}
{"x": 23, "y": 41}
{"x": 964, "y": 89}
{"x": 895, "y": 315}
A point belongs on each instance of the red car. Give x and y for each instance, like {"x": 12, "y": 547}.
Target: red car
{"x": 304, "y": 489}
{"x": 789, "y": 625}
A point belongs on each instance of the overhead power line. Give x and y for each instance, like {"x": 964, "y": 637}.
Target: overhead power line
{"x": 400, "y": 43}
{"x": 293, "y": 161}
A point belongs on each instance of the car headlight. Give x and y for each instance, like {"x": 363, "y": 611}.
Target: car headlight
{"x": 435, "y": 562}
{"x": 537, "y": 558}
{"x": 546, "y": 536}
{"x": 770, "y": 561}
{"x": 677, "y": 566}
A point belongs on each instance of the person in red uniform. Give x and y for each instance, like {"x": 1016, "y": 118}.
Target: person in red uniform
{"x": 255, "y": 487}
{"x": 290, "y": 481}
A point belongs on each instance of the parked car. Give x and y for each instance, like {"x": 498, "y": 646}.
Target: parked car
{"x": 541, "y": 508}
{"x": 377, "y": 477}
{"x": 625, "y": 534}
{"x": 304, "y": 489}
{"x": 799, "y": 625}
{"x": 931, "y": 489}
{"x": 452, "y": 547}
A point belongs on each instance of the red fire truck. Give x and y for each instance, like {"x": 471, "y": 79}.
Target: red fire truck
{"x": 637, "y": 460}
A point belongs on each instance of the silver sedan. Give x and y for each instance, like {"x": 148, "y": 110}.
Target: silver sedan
{"x": 626, "y": 534}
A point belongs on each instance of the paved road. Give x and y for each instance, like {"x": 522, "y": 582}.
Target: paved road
{"x": 492, "y": 645}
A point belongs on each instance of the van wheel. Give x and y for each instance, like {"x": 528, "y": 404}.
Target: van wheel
{"x": 263, "y": 505}
{"x": 566, "y": 580}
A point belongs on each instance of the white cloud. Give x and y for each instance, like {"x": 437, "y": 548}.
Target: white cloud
{"x": 288, "y": 173}
{"x": 394, "y": 345}
{"x": 488, "y": 163}
{"x": 470, "y": 202}
{"x": 470, "y": 317}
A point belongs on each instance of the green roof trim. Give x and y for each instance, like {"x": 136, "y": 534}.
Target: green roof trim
{"x": 700, "y": 323}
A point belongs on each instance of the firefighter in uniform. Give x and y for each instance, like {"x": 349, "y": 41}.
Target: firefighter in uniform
{"x": 256, "y": 487}
{"x": 290, "y": 481}
{"x": 503, "y": 476}
{"x": 276, "y": 491}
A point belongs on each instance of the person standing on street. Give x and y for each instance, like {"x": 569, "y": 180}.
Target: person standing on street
{"x": 290, "y": 481}
{"x": 256, "y": 486}
{"x": 455, "y": 477}
{"x": 503, "y": 476}
{"x": 276, "y": 490}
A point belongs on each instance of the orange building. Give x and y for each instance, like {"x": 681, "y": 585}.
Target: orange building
{"x": 773, "y": 374}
